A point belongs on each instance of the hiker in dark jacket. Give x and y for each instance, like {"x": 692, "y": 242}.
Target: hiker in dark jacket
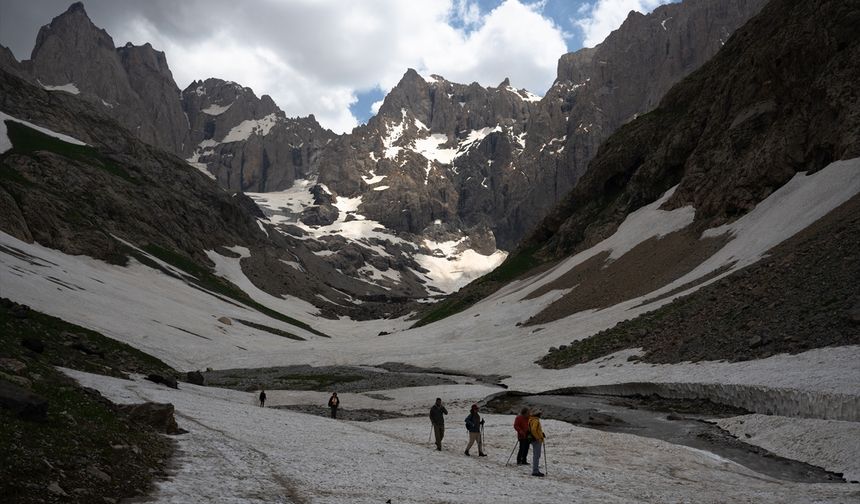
{"x": 474, "y": 422}
{"x": 262, "y": 398}
{"x": 333, "y": 403}
{"x": 521, "y": 425}
{"x": 437, "y": 418}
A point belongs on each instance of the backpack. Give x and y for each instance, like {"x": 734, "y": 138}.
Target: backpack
{"x": 469, "y": 423}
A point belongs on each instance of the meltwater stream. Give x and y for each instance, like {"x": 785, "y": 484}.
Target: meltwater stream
{"x": 689, "y": 428}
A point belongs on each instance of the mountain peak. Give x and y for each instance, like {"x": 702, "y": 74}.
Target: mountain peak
{"x": 505, "y": 83}
{"x": 77, "y": 7}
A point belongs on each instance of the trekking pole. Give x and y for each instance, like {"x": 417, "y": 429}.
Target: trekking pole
{"x": 512, "y": 452}
{"x": 545, "y": 459}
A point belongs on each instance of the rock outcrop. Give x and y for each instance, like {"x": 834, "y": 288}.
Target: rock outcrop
{"x": 248, "y": 143}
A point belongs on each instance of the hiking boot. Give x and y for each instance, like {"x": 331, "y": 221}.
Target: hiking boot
{"x": 538, "y": 474}
{"x": 482, "y": 454}
{"x": 438, "y": 448}
{"x": 467, "y": 453}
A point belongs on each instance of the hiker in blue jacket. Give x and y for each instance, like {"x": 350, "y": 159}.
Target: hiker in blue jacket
{"x": 474, "y": 423}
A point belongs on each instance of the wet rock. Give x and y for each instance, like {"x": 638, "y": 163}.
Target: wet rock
{"x": 225, "y": 320}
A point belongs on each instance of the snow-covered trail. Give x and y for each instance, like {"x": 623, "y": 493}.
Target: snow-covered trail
{"x": 237, "y": 452}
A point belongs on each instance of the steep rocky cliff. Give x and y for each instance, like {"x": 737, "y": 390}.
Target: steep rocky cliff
{"x": 132, "y": 83}
{"x": 248, "y": 143}
{"x": 778, "y": 99}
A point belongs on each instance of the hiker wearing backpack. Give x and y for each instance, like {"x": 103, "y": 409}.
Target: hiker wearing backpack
{"x": 333, "y": 403}
{"x": 474, "y": 422}
{"x": 437, "y": 418}
{"x": 537, "y": 438}
{"x": 521, "y": 425}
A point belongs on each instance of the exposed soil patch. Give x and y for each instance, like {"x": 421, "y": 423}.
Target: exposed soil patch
{"x": 321, "y": 379}
{"x": 804, "y": 295}
{"x": 687, "y": 424}
{"x": 648, "y": 266}
{"x": 356, "y": 415}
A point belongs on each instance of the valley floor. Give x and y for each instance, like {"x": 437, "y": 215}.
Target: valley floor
{"x": 238, "y": 452}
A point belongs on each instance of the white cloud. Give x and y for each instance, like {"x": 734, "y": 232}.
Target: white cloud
{"x": 374, "y": 107}
{"x": 604, "y": 16}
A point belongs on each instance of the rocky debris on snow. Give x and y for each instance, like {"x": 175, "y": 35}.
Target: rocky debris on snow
{"x": 156, "y": 415}
{"x": 326, "y": 378}
{"x": 789, "y": 301}
{"x": 355, "y": 415}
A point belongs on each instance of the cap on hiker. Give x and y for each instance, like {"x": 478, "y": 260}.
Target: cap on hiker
{"x": 474, "y": 407}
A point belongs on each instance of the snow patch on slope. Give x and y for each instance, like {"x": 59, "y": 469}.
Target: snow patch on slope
{"x": 216, "y": 109}
{"x": 245, "y": 129}
{"x": 70, "y": 88}
{"x": 6, "y": 143}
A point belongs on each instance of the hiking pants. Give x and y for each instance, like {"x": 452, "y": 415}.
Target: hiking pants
{"x": 475, "y": 436}
{"x": 334, "y": 412}
{"x": 439, "y": 432}
{"x": 523, "y": 454}
{"x": 536, "y": 446}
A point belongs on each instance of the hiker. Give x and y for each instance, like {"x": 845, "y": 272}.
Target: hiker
{"x": 474, "y": 423}
{"x": 521, "y": 425}
{"x": 333, "y": 403}
{"x": 537, "y": 436}
{"x": 262, "y": 398}
{"x": 437, "y": 418}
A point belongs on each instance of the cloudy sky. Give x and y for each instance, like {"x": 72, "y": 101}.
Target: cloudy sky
{"x": 337, "y": 58}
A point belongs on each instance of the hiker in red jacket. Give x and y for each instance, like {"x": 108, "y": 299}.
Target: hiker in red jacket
{"x": 521, "y": 425}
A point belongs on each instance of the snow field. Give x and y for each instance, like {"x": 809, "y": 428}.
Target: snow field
{"x": 830, "y": 444}
{"x": 237, "y": 452}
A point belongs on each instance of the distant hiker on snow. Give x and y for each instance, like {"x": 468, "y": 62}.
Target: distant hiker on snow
{"x": 521, "y": 425}
{"x": 474, "y": 424}
{"x": 537, "y": 436}
{"x": 437, "y": 418}
{"x": 262, "y": 398}
{"x": 333, "y": 403}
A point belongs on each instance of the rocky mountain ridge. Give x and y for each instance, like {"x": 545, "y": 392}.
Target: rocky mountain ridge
{"x": 488, "y": 161}
{"x": 776, "y": 101}
{"x": 417, "y": 201}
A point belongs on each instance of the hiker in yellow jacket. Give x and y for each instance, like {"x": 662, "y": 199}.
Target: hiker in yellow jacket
{"x": 537, "y": 436}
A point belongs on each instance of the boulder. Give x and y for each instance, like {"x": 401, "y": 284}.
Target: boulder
{"x": 164, "y": 380}
{"x": 13, "y": 366}
{"x": 156, "y": 415}
{"x": 319, "y": 215}
{"x": 195, "y": 377}
{"x": 33, "y": 344}
{"x": 24, "y": 403}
